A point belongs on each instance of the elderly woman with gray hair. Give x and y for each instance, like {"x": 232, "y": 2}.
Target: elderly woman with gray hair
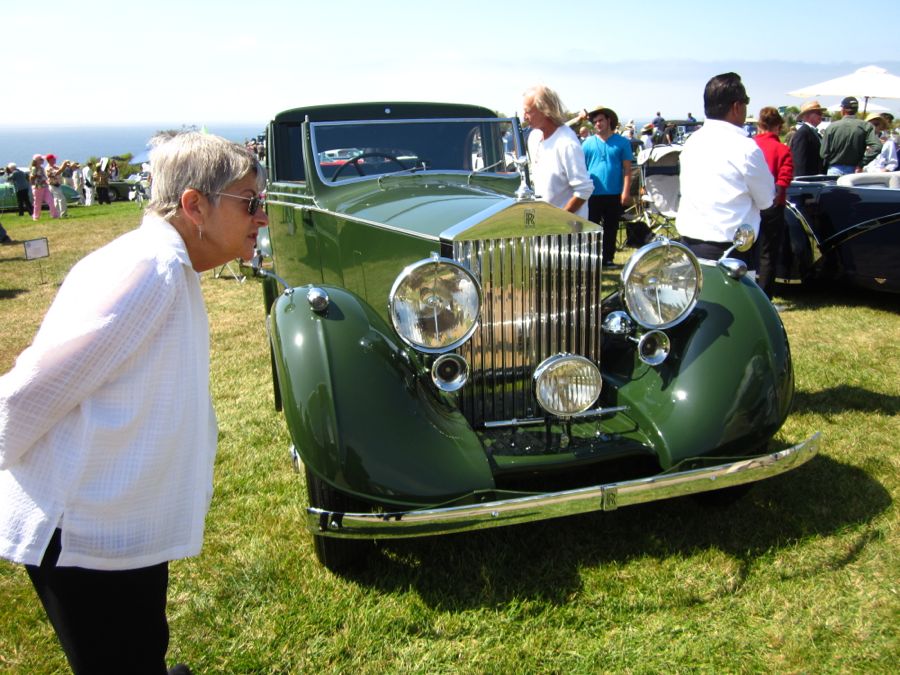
{"x": 107, "y": 432}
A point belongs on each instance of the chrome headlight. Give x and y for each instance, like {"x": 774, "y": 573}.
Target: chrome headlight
{"x": 435, "y": 304}
{"x": 567, "y": 384}
{"x": 661, "y": 284}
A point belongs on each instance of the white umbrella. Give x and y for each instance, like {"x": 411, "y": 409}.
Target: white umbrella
{"x": 865, "y": 83}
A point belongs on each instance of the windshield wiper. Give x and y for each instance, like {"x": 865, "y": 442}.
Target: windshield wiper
{"x": 422, "y": 166}
{"x": 488, "y": 168}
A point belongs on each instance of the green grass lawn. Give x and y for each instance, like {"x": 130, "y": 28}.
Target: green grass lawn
{"x": 801, "y": 575}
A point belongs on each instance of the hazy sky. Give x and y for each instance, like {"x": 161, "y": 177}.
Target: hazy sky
{"x": 206, "y": 62}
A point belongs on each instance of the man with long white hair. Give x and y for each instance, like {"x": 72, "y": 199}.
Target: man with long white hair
{"x": 558, "y": 170}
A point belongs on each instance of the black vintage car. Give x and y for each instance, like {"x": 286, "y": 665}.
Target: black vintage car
{"x": 843, "y": 229}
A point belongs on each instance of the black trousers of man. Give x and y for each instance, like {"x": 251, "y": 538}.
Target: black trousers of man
{"x": 771, "y": 228}
{"x": 23, "y": 197}
{"x": 606, "y": 210}
{"x": 713, "y": 250}
{"x": 107, "y": 621}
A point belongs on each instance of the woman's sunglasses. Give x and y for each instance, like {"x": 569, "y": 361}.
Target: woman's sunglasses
{"x": 255, "y": 202}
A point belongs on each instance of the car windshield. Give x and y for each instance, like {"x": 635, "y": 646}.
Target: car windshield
{"x": 350, "y": 150}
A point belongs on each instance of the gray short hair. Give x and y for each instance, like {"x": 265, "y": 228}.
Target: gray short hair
{"x": 547, "y": 101}
{"x": 204, "y": 162}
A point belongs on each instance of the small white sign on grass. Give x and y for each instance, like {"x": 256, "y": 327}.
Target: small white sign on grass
{"x": 36, "y": 249}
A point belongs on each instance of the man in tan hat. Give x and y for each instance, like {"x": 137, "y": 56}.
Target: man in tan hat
{"x": 806, "y": 143}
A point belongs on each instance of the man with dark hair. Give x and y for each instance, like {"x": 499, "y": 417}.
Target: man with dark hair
{"x": 608, "y": 156}
{"x": 850, "y": 143}
{"x": 725, "y": 180}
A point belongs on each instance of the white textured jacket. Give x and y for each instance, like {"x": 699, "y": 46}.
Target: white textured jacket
{"x": 106, "y": 424}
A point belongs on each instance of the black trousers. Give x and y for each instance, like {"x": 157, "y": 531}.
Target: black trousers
{"x": 103, "y": 195}
{"x": 606, "y": 210}
{"x": 771, "y": 228}
{"x": 107, "y": 621}
{"x": 23, "y": 197}
{"x": 713, "y": 250}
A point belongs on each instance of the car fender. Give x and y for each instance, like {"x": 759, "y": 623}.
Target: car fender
{"x": 361, "y": 413}
{"x": 727, "y": 385}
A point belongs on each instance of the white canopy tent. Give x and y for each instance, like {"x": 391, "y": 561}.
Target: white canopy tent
{"x": 864, "y": 83}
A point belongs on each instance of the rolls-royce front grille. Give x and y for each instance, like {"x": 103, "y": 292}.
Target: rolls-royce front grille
{"x": 541, "y": 297}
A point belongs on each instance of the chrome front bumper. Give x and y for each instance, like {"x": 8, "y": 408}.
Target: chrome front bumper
{"x": 427, "y": 522}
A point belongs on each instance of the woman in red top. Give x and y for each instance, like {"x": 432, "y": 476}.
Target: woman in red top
{"x": 771, "y": 225}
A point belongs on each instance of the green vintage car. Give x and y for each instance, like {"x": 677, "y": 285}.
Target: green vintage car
{"x": 8, "y": 197}
{"x": 445, "y": 359}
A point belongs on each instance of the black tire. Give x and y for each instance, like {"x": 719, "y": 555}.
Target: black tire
{"x": 113, "y": 195}
{"x": 718, "y": 499}
{"x": 337, "y": 555}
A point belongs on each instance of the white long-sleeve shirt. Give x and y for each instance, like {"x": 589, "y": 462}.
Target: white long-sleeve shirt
{"x": 106, "y": 424}
{"x": 725, "y": 182}
{"x": 558, "y": 170}
{"x": 886, "y": 160}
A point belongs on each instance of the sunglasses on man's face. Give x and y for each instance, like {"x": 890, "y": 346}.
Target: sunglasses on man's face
{"x": 255, "y": 201}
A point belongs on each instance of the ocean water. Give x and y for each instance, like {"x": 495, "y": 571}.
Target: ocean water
{"x": 19, "y": 143}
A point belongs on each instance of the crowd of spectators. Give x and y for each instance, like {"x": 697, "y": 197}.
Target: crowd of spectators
{"x": 41, "y": 185}
{"x": 734, "y": 169}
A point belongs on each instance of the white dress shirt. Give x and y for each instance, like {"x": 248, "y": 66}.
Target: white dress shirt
{"x": 106, "y": 424}
{"x": 725, "y": 182}
{"x": 558, "y": 170}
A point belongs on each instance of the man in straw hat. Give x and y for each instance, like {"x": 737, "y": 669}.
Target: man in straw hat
{"x": 806, "y": 143}
{"x": 849, "y": 143}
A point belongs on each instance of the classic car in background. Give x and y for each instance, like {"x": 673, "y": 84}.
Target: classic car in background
{"x": 118, "y": 190}
{"x": 8, "y": 197}
{"x": 445, "y": 359}
{"x": 843, "y": 229}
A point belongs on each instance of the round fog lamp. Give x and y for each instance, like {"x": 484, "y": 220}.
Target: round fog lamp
{"x": 567, "y": 384}
{"x": 449, "y": 372}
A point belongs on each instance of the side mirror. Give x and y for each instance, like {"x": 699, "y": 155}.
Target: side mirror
{"x": 743, "y": 241}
